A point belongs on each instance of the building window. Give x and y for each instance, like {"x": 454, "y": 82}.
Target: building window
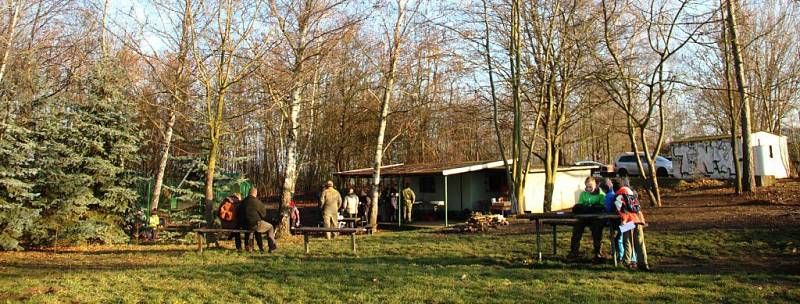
{"x": 427, "y": 184}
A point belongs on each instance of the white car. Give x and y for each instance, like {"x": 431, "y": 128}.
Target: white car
{"x": 601, "y": 170}
{"x": 626, "y": 165}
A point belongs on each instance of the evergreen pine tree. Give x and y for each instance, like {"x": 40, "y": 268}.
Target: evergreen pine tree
{"x": 83, "y": 150}
{"x": 17, "y": 218}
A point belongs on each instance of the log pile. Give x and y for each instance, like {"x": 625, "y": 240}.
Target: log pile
{"x": 479, "y": 222}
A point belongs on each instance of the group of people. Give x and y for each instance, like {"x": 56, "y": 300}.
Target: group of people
{"x": 140, "y": 226}
{"x": 358, "y": 205}
{"x": 391, "y": 200}
{"x": 612, "y": 196}
{"x": 249, "y": 214}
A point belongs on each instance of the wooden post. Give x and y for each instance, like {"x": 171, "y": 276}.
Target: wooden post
{"x": 400, "y": 201}
{"x": 199, "y": 242}
{"x": 399, "y": 207}
{"x": 539, "y": 239}
{"x": 555, "y": 248}
{"x": 353, "y": 240}
{"x": 445, "y": 200}
{"x": 614, "y": 251}
{"x": 305, "y": 242}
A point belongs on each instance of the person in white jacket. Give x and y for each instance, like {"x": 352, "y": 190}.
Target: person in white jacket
{"x": 351, "y": 204}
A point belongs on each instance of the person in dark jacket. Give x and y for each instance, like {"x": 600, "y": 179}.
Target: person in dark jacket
{"x": 254, "y": 219}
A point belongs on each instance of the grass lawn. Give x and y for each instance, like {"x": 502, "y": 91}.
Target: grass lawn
{"x": 707, "y": 265}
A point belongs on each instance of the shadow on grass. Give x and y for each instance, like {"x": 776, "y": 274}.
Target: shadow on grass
{"x": 169, "y": 252}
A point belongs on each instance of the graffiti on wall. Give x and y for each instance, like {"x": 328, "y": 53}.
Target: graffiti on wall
{"x": 703, "y": 159}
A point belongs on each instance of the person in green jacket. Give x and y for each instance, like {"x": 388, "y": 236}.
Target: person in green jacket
{"x": 590, "y": 199}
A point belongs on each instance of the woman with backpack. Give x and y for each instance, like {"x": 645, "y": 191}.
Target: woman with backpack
{"x": 627, "y": 206}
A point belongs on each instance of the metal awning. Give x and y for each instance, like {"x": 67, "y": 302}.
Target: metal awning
{"x": 424, "y": 169}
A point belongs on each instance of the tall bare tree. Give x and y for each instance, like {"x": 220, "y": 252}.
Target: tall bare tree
{"x": 394, "y": 44}
{"x": 748, "y": 179}
{"x": 640, "y": 43}
{"x": 309, "y": 29}
{"x": 223, "y": 55}
{"x": 559, "y": 36}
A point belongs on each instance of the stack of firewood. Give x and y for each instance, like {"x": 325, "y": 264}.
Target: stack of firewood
{"x": 479, "y": 222}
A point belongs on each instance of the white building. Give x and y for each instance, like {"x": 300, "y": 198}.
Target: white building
{"x": 712, "y": 157}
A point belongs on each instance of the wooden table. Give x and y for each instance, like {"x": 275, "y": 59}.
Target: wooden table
{"x": 351, "y": 221}
{"x": 538, "y": 217}
{"x": 305, "y": 231}
{"x": 500, "y": 207}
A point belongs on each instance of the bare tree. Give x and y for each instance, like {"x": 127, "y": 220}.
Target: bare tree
{"x": 394, "y": 43}
{"x": 309, "y": 29}
{"x": 223, "y": 55}
{"x": 560, "y": 39}
{"x": 748, "y": 179}
{"x": 640, "y": 89}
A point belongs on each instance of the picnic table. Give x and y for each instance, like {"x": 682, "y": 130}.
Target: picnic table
{"x": 567, "y": 219}
{"x": 352, "y": 222}
{"x": 306, "y": 231}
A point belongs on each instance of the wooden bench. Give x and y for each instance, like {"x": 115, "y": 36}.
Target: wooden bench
{"x": 201, "y": 232}
{"x": 306, "y": 231}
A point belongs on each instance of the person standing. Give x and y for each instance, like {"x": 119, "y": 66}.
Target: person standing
{"x": 366, "y": 202}
{"x": 294, "y": 213}
{"x": 152, "y": 224}
{"x": 330, "y": 202}
{"x": 351, "y": 203}
{"x": 409, "y": 197}
{"x": 627, "y": 206}
{"x": 254, "y": 219}
{"x": 590, "y": 201}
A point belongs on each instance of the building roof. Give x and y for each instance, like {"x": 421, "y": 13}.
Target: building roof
{"x": 702, "y": 138}
{"x": 424, "y": 169}
{"x": 440, "y": 169}
{"x": 720, "y": 137}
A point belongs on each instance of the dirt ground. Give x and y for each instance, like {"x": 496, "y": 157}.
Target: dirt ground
{"x": 719, "y": 207}
{"x": 700, "y": 209}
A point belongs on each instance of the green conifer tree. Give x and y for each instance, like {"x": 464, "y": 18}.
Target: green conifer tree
{"x": 17, "y": 217}
{"x": 84, "y": 149}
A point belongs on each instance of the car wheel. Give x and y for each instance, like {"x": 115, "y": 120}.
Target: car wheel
{"x": 662, "y": 172}
{"x": 622, "y": 173}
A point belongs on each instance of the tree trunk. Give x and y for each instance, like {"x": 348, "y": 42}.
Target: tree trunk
{"x": 9, "y": 38}
{"x": 209, "y": 187}
{"x": 550, "y": 171}
{"x": 653, "y": 188}
{"x": 500, "y": 146}
{"x": 394, "y": 50}
{"x": 650, "y": 176}
{"x": 731, "y": 107}
{"x": 748, "y": 180}
{"x": 517, "y": 144}
{"x": 290, "y": 179}
{"x": 163, "y": 164}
